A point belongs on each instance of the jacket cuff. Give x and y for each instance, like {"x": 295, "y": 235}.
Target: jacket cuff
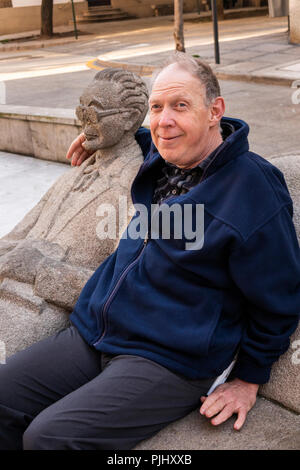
{"x": 250, "y": 372}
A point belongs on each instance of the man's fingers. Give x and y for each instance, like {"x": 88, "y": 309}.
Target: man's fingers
{"x": 242, "y": 413}
{"x": 82, "y": 157}
{"x": 75, "y": 158}
{"x": 72, "y": 148}
{"x": 209, "y": 401}
{"x": 78, "y": 157}
{"x": 76, "y": 144}
{"x": 226, "y": 413}
{"x": 214, "y": 408}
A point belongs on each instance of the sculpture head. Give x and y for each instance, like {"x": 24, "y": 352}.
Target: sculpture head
{"x": 114, "y": 105}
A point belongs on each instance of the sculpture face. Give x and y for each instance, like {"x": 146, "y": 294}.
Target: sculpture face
{"x": 102, "y": 116}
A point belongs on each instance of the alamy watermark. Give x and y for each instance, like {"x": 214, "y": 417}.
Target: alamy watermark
{"x": 296, "y": 93}
{"x": 2, "y": 93}
{"x": 176, "y": 221}
{"x": 2, "y": 353}
{"x": 296, "y": 355}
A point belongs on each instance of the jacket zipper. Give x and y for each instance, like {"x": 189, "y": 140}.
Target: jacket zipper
{"x": 114, "y": 291}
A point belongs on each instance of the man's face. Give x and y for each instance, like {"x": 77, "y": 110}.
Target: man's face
{"x": 179, "y": 119}
{"x": 102, "y": 124}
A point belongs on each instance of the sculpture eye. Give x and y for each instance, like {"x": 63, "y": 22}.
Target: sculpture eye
{"x": 92, "y": 115}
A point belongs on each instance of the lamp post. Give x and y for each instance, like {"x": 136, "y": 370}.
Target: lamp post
{"x": 74, "y": 20}
{"x": 216, "y": 33}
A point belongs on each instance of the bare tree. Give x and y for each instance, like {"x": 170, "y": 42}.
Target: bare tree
{"x": 5, "y": 3}
{"x": 220, "y": 9}
{"x": 178, "y": 25}
{"x": 47, "y": 18}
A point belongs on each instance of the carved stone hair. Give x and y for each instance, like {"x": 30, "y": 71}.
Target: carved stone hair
{"x": 134, "y": 92}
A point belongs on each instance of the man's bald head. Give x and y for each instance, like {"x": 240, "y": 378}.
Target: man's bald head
{"x": 198, "y": 69}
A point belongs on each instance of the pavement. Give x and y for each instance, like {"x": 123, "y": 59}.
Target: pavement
{"x": 23, "y": 182}
{"x": 252, "y": 49}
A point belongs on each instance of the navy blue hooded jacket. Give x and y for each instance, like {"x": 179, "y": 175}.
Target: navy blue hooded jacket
{"x": 190, "y": 310}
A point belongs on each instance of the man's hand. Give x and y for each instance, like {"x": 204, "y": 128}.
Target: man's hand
{"x": 76, "y": 151}
{"x": 232, "y": 397}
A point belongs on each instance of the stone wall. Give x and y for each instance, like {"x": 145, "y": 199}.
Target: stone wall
{"x": 20, "y": 19}
{"x": 43, "y": 133}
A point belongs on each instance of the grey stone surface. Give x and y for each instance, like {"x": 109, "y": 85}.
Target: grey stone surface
{"x": 59, "y": 282}
{"x": 284, "y": 384}
{"x": 44, "y": 133}
{"x": 57, "y": 245}
{"x": 26, "y": 318}
{"x": 268, "y": 427}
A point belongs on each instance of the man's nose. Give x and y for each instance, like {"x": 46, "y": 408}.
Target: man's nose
{"x": 166, "y": 118}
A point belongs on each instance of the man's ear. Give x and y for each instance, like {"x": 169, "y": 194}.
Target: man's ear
{"x": 217, "y": 110}
{"x": 130, "y": 117}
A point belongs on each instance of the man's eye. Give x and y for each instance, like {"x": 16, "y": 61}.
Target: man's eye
{"x": 155, "y": 106}
{"x": 181, "y": 105}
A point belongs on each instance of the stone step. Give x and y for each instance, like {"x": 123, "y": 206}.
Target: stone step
{"x": 108, "y": 11}
{"x": 100, "y": 8}
{"x": 102, "y": 13}
{"x": 21, "y": 294}
{"x": 102, "y": 18}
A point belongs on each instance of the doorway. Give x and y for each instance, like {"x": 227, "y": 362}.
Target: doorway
{"x": 98, "y": 3}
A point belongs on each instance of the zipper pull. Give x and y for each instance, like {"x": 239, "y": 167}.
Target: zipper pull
{"x": 146, "y": 239}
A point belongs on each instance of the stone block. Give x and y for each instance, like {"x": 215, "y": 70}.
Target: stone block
{"x": 43, "y": 133}
{"x": 21, "y": 322}
{"x": 60, "y": 282}
{"x": 21, "y": 293}
{"x": 284, "y": 383}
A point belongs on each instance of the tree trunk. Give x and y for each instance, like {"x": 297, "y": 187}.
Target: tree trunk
{"x": 5, "y": 4}
{"x": 220, "y": 9}
{"x": 47, "y": 18}
{"x": 178, "y": 25}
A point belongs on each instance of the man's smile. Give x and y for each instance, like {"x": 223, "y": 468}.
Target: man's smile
{"x": 170, "y": 138}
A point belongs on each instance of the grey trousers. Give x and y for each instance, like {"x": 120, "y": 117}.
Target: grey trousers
{"x": 62, "y": 394}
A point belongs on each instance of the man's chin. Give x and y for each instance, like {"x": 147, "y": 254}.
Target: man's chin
{"x": 170, "y": 158}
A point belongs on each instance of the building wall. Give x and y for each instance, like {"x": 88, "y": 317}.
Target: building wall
{"x": 294, "y": 21}
{"x": 144, "y": 8}
{"x": 32, "y": 3}
{"x": 5, "y": 3}
{"x": 28, "y": 18}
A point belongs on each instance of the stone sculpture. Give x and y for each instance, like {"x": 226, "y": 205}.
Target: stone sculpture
{"x": 48, "y": 257}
